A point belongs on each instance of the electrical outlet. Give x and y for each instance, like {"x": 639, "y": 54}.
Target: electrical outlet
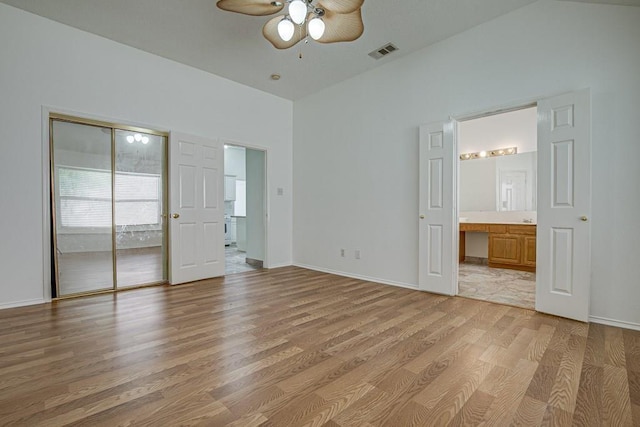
{"x": 357, "y": 254}
{"x": 342, "y": 253}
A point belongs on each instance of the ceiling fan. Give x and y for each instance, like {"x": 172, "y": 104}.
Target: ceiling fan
{"x": 327, "y": 21}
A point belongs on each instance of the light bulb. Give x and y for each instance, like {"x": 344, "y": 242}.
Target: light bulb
{"x": 130, "y": 139}
{"x": 286, "y": 29}
{"x": 316, "y": 28}
{"x": 137, "y": 137}
{"x": 145, "y": 139}
{"x": 297, "y": 11}
{"x": 483, "y": 154}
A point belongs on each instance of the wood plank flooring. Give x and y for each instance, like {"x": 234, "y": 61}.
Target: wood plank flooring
{"x": 293, "y": 347}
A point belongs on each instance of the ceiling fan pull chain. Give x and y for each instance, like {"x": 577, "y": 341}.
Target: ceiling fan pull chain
{"x": 300, "y": 33}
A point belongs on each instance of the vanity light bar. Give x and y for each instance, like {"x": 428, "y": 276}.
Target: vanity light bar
{"x": 492, "y": 153}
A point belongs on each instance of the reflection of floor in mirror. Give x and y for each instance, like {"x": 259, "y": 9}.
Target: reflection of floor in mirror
{"x": 93, "y": 271}
{"x": 235, "y": 261}
{"x": 499, "y": 285}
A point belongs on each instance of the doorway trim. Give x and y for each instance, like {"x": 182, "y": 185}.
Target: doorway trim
{"x": 555, "y": 120}
{"x": 267, "y": 204}
{"x": 457, "y": 119}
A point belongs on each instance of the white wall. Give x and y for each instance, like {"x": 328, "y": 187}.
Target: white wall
{"x": 46, "y": 63}
{"x": 511, "y": 129}
{"x": 356, "y": 177}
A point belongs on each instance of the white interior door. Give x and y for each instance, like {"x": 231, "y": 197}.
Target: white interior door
{"x": 438, "y": 266}
{"x": 196, "y": 208}
{"x": 564, "y": 205}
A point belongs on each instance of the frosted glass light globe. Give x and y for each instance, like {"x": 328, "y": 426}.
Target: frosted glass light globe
{"x": 298, "y": 11}
{"x": 316, "y": 28}
{"x": 285, "y": 29}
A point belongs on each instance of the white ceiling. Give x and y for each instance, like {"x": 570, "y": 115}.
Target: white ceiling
{"x": 197, "y": 33}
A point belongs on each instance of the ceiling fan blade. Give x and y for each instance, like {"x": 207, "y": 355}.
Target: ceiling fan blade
{"x": 341, "y": 6}
{"x": 342, "y": 27}
{"x": 251, "y": 7}
{"x": 270, "y": 32}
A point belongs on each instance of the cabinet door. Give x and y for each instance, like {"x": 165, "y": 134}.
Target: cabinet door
{"x": 529, "y": 250}
{"x": 504, "y": 249}
{"x": 229, "y": 187}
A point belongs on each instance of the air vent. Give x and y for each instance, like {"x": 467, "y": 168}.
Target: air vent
{"x": 383, "y": 51}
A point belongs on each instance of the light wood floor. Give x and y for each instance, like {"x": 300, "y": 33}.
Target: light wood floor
{"x": 292, "y": 347}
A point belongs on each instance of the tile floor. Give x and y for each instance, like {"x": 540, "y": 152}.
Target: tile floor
{"x": 235, "y": 261}
{"x": 499, "y": 285}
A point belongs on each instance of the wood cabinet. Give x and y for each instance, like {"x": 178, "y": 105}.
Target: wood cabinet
{"x": 513, "y": 246}
{"x": 529, "y": 254}
{"x": 510, "y": 245}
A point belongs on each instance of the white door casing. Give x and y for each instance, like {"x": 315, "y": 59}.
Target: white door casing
{"x": 438, "y": 266}
{"x": 563, "y": 253}
{"x": 196, "y": 208}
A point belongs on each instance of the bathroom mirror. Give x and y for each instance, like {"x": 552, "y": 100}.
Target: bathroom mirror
{"x": 504, "y": 183}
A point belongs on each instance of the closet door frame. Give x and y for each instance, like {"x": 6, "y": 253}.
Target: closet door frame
{"x": 49, "y": 116}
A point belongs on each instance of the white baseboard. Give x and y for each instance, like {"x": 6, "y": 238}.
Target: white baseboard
{"x": 358, "y": 276}
{"x": 613, "y": 322}
{"x": 22, "y": 303}
{"x": 594, "y": 319}
{"x": 279, "y": 265}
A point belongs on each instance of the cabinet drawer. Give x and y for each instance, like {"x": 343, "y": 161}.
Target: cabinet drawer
{"x": 474, "y": 227}
{"x": 497, "y": 228}
{"x": 523, "y": 229}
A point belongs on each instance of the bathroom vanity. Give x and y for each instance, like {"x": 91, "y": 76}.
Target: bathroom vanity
{"x": 511, "y": 245}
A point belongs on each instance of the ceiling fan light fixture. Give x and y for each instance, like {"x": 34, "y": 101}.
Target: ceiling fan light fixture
{"x": 286, "y": 29}
{"x": 316, "y": 28}
{"x": 326, "y": 21}
{"x": 298, "y": 11}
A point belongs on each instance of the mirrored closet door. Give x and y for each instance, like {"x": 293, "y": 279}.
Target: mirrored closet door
{"x": 108, "y": 207}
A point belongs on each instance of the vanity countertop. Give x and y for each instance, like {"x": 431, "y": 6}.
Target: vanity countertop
{"x": 499, "y": 222}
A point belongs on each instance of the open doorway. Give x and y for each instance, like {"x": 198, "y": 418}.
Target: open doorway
{"x": 498, "y": 207}
{"x": 563, "y": 236}
{"x": 244, "y": 208}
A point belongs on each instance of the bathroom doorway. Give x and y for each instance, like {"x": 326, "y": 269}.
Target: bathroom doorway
{"x": 497, "y": 207}
{"x": 245, "y": 208}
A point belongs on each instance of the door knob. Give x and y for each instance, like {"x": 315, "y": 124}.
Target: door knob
{"x": 421, "y": 216}
{"x": 175, "y": 216}
{"x": 584, "y": 218}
